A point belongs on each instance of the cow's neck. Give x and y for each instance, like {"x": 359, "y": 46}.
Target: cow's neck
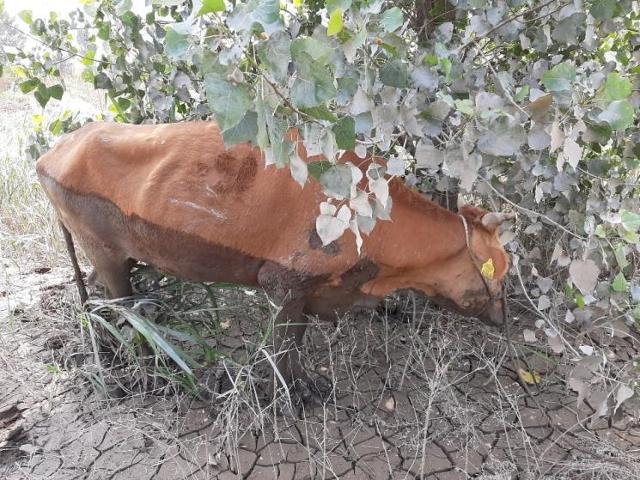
{"x": 420, "y": 238}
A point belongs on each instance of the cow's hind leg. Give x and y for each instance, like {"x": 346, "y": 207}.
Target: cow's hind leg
{"x": 112, "y": 267}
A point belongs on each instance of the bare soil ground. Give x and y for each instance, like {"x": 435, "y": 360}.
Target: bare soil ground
{"x": 416, "y": 396}
{"x": 418, "y": 393}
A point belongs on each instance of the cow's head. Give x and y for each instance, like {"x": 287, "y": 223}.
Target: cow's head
{"x": 461, "y": 283}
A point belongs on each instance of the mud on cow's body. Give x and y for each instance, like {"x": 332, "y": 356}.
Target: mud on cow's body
{"x": 173, "y": 196}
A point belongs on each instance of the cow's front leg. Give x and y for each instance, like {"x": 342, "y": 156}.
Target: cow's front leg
{"x": 288, "y": 289}
{"x": 288, "y": 334}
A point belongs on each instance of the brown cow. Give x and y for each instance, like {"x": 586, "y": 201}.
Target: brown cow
{"x": 174, "y": 197}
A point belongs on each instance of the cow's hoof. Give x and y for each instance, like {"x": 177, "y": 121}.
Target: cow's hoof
{"x": 313, "y": 391}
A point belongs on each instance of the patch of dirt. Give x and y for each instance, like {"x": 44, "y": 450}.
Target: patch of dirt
{"x": 417, "y": 394}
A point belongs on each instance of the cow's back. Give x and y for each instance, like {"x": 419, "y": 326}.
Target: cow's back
{"x": 180, "y": 178}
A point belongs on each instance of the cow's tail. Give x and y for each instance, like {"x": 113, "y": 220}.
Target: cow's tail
{"x": 68, "y": 239}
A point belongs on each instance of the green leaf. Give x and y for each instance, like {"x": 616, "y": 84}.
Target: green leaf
{"x": 42, "y": 96}
{"x": 316, "y": 169}
{"x": 335, "y": 23}
{"x": 521, "y": 93}
{"x": 104, "y": 30}
{"x": 317, "y": 50}
{"x": 245, "y": 131}
{"x": 26, "y": 16}
{"x": 176, "y": 44}
{"x": 619, "y": 115}
{"x": 29, "y": 85}
{"x": 604, "y": 9}
{"x": 465, "y": 106}
{"x": 630, "y": 220}
{"x": 277, "y": 128}
{"x": 123, "y": 104}
{"x": 395, "y": 74}
{"x": 630, "y": 237}
{"x": 620, "y": 284}
{"x": 87, "y": 75}
{"x": 229, "y": 102}
{"x": 617, "y": 87}
{"x": 392, "y": 19}
{"x": 102, "y": 81}
{"x": 275, "y": 54}
{"x": 56, "y": 127}
{"x": 345, "y": 131}
{"x": 621, "y": 257}
{"x": 313, "y": 85}
{"x": 115, "y": 103}
{"x": 321, "y": 113}
{"x": 211, "y": 6}
{"x": 559, "y": 78}
{"x": 88, "y": 57}
{"x": 56, "y": 91}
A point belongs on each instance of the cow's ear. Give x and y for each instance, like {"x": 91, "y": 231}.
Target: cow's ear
{"x": 492, "y": 220}
{"x": 472, "y": 213}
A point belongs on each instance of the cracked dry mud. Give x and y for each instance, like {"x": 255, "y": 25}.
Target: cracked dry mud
{"x": 416, "y": 396}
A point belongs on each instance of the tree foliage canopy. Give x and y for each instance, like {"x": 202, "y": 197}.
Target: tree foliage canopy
{"x": 528, "y": 104}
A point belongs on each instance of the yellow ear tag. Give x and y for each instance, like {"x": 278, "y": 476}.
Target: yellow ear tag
{"x": 488, "y": 270}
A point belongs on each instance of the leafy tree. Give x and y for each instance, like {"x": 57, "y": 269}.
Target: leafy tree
{"x": 532, "y": 105}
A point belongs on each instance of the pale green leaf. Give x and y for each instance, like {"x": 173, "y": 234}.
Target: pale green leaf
{"x": 617, "y": 87}
{"x": 275, "y": 55}
{"x": 619, "y": 115}
{"x": 621, "y": 256}
{"x": 522, "y": 93}
{"x": 630, "y": 220}
{"x": 337, "y": 181}
{"x": 395, "y": 74}
{"x": 313, "y": 83}
{"x": 335, "y": 4}
{"x": 335, "y": 23}
{"x": 26, "y": 16}
{"x": 212, "y": 6}
{"x": 620, "y": 284}
{"x": 245, "y": 131}
{"x": 176, "y": 44}
{"x": 265, "y": 13}
{"x": 330, "y": 228}
{"x": 299, "y": 170}
{"x": 229, "y": 102}
{"x": 465, "y": 106}
{"x": 559, "y": 78}
{"x": 392, "y": 19}
{"x": 319, "y": 51}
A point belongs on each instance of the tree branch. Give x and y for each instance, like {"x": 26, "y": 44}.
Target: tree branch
{"x": 51, "y": 47}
